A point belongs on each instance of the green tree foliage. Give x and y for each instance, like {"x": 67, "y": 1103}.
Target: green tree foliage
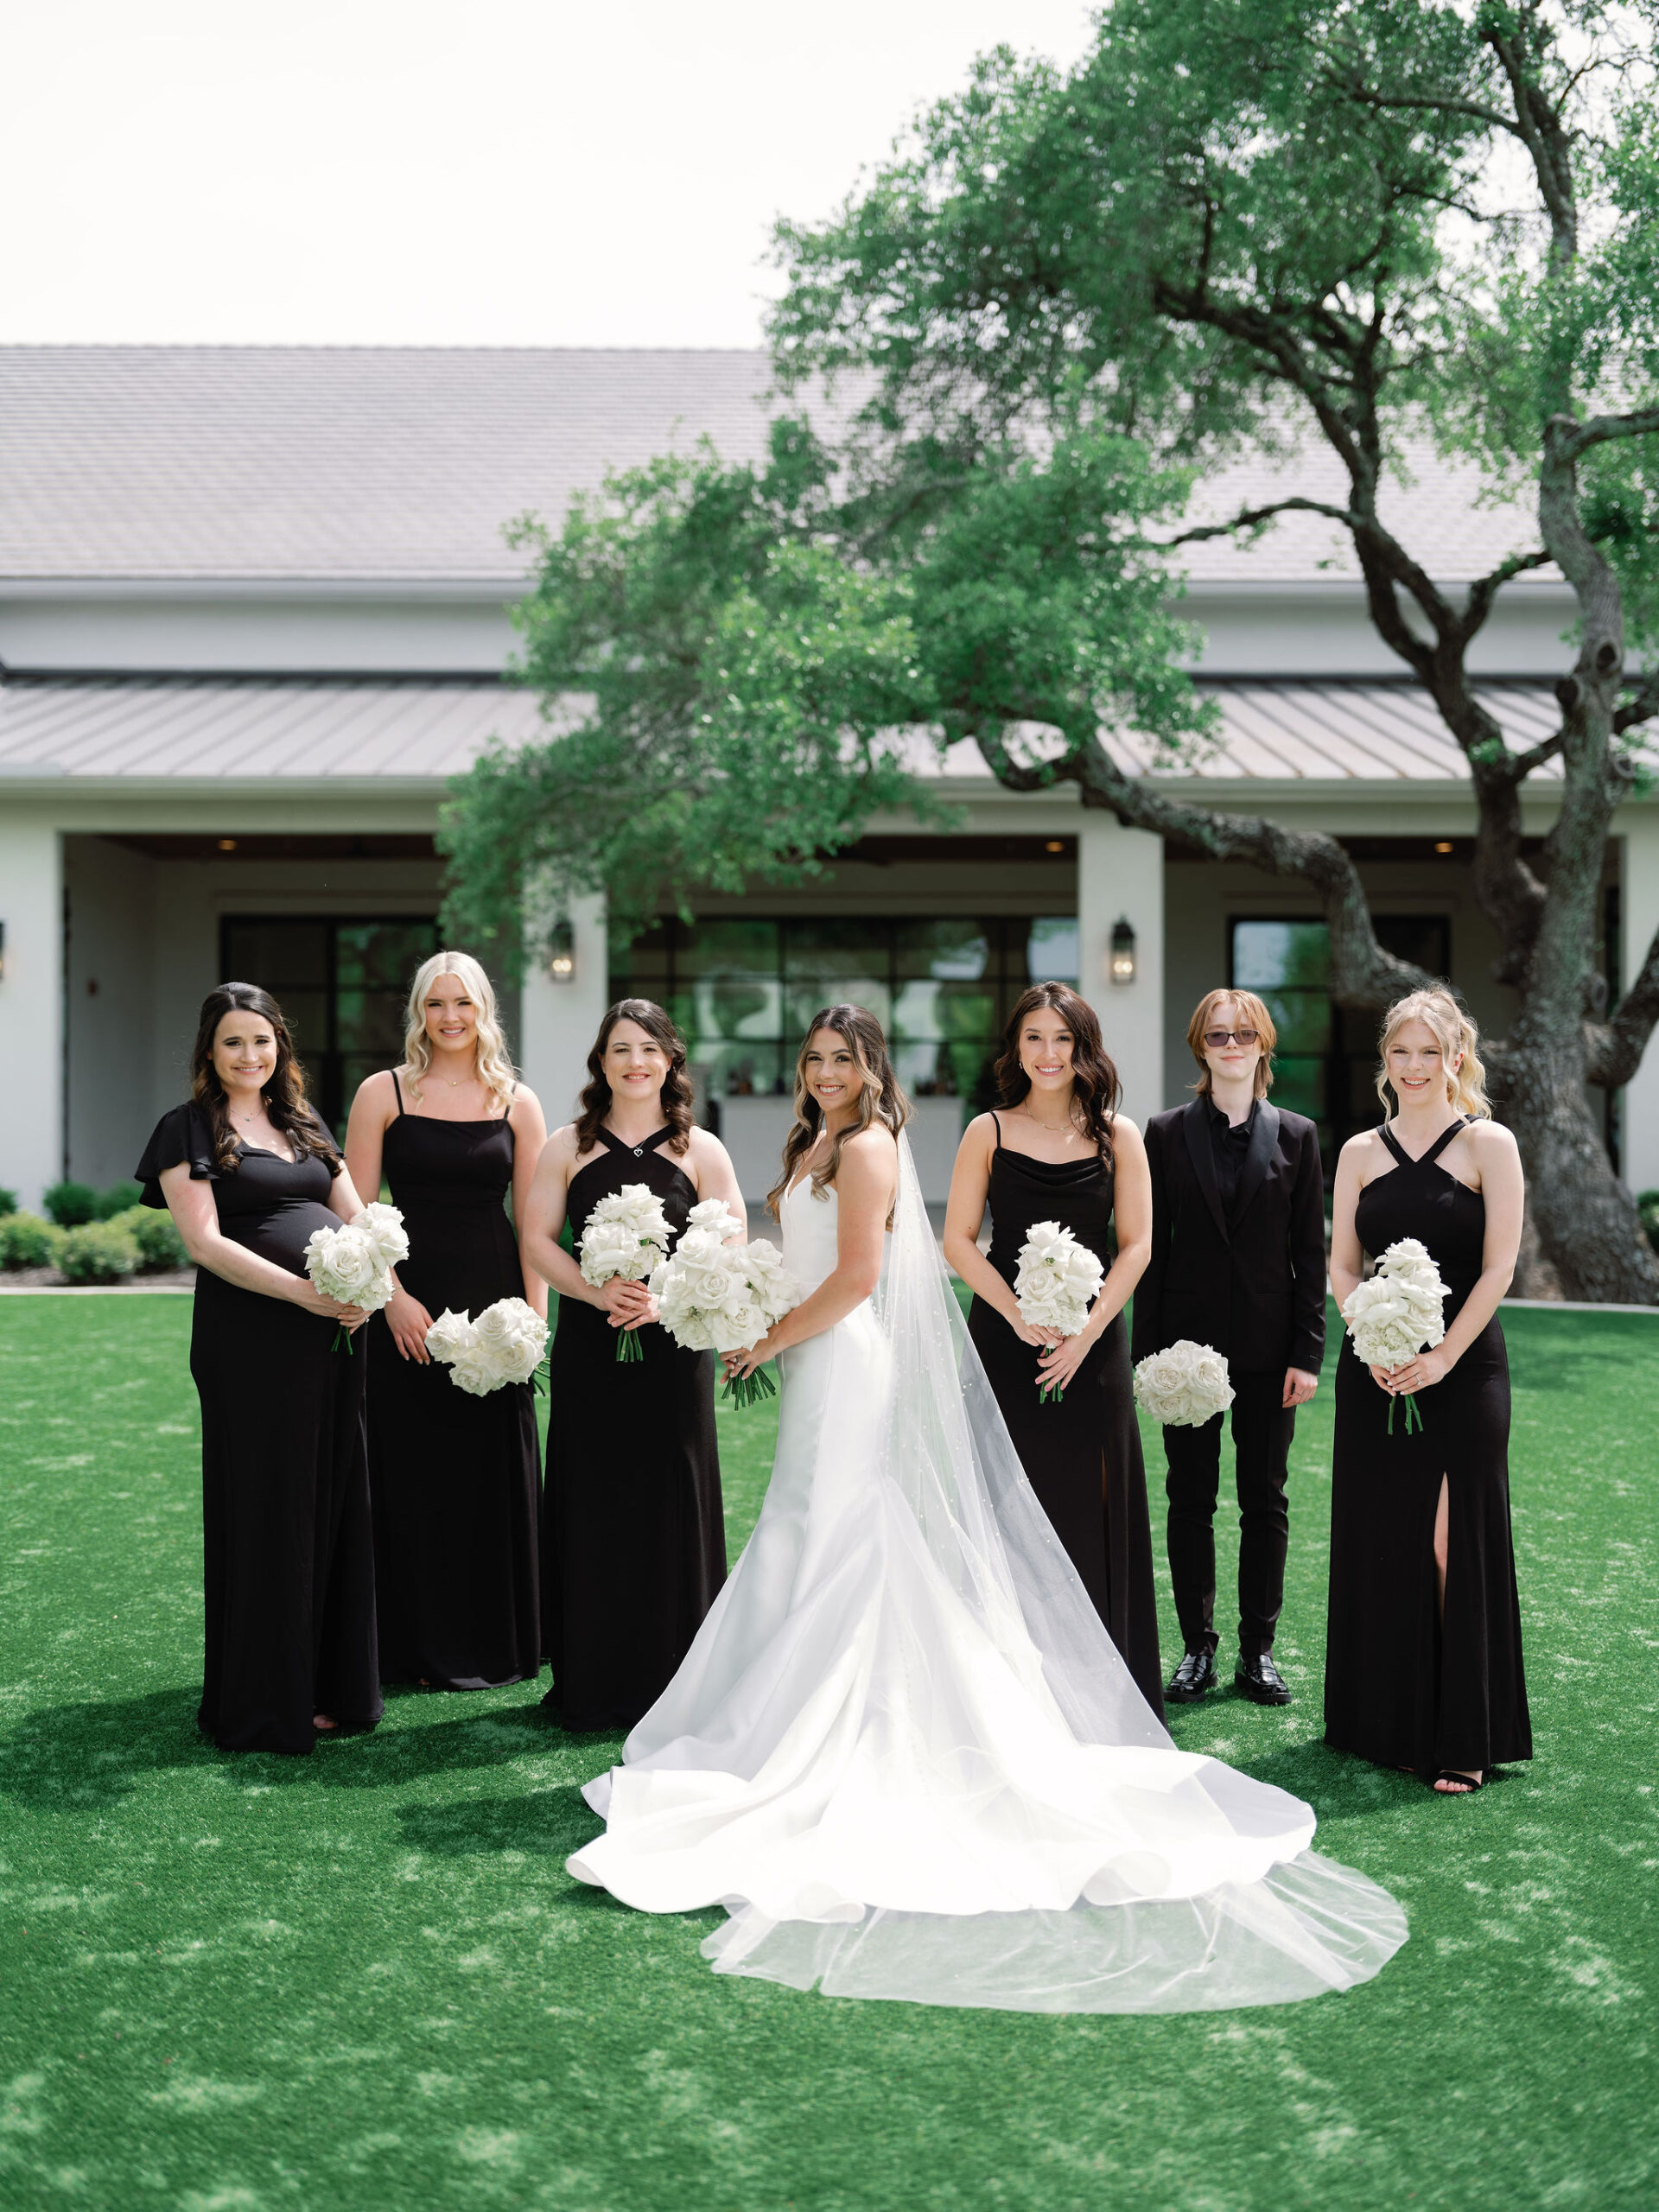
{"x": 1284, "y": 225}
{"x": 759, "y": 666}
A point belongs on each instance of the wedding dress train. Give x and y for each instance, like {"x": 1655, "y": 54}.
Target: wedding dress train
{"x": 903, "y": 1752}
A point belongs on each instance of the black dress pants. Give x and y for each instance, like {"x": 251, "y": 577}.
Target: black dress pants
{"x": 1262, "y": 1429}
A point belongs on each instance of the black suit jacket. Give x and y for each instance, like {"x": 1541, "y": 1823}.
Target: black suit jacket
{"x": 1256, "y": 1294}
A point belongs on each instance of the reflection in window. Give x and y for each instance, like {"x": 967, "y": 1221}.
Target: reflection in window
{"x": 742, "y": 990}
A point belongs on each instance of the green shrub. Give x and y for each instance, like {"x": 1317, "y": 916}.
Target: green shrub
{"x": 156, "y": 1233}
{"x": 70, "y": 1204}
{"x": 97, "y": 1251}
{"x": 8, "y": 1202}
{"x": 1647, "y": 1204}
{"x": 26, "y": 1240}
{"x": 120, "y": 1198}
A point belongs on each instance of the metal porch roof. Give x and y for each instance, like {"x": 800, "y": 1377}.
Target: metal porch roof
{"x": 222, "y": 730}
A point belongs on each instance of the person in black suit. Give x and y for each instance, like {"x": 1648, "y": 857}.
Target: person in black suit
{"x": 1238, "y": 1264}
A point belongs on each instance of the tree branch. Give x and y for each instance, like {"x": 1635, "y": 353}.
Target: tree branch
{"x": 1613, "y": 1049}
{"x": 1644, "y": 707}
{"x": 1253, "y": 516}
{"x": 1362, "y": 974}
{"x": 1575, "y": 437}
{"x": 1523, "y": 764}
{"x": 1484, "y": 590}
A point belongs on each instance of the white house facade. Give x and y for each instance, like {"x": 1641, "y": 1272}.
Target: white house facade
{"x": 254, "y": 612}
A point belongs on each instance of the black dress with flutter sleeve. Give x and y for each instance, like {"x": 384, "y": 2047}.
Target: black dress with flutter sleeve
{"x": 633, "y": 1539}
{"x": 1403, "y": 1685}
{"x": 287, "y": 1554}
{"x": 455, "y": 1480}
{"x": 1081, "y": 1453}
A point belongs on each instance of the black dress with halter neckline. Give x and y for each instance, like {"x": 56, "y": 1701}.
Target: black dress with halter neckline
{"x": 1082, "y": 1455}
{"x": 1402, "y": 1686}
{"x": 633, "y": 1535}
{"x": 455, "y": 1480}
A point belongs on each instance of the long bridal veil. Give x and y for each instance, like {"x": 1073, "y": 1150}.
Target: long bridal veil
{"x": 1092, "y": 1866}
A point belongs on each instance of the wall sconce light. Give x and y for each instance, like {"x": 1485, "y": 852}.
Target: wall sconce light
{"x": 1121, "y": 963}
{"x": 561, "y": 953}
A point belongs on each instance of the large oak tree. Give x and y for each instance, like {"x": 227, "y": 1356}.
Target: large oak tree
{"x": 1067, "y": 296}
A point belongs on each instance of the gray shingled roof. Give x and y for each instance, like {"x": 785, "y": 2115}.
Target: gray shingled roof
{"x": 244, "y": 463}
{"x": 225, "y": 731}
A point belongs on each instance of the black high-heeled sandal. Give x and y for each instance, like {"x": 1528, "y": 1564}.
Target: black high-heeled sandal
{"x": 1471, "y": 1783}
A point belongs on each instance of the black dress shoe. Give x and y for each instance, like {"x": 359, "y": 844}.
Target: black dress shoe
{"x": 1195, "y": 1674}
{"x": 1260, "y": 1679}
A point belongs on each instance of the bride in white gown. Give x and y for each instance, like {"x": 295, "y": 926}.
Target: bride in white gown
{"x": 903, "y": 1752}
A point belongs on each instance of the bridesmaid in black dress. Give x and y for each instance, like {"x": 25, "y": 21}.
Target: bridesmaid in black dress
{"x": 633, "y": 1543}
{"x": 1059, "y": 1151}
{"x": 1423, "y": 1667}
{"x": 455, "y": 1480}
{"x": 249, "y": 1173}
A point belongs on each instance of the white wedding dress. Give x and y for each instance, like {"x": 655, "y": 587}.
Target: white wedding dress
{"x": 903, "y": 1752}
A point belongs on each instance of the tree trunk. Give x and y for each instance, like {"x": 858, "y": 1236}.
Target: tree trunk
{"x": 1586, "y": 1219}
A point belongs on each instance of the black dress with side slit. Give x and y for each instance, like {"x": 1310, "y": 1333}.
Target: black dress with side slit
{"x": 633, "y": 1538}
{"x": 1081, "y": 1454}
{"x": 1403, "y": 1687}
{"x": 288, "y": 1557}
{"x": 455, "y": 1480}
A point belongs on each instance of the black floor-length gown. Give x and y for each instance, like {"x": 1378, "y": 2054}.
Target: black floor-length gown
{"x": 456, "y": 1479}
{"x": 1401, "y": 1686}
{"x": 634, "y": 1541}
{"x": 1081, "y": 1453}
{"x": 287, "y": 1555}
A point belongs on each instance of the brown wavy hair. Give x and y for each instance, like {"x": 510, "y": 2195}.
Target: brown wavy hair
{"x": 1096, "y": 1090}
{"x": 879, "y": 1098}
{"x": 285, "y": 1097}
{"x": 595, "y": 1100}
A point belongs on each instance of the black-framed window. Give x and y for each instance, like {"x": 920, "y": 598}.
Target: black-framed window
{"x": 341, "y": 982}
{"x": 742, "y": 989}
{"x": 1325, "y": 1064}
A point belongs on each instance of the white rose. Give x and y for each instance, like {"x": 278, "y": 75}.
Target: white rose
{"x": 384, "y": 1227}
{"x": 450, "y": 1336}
{"x": 1184, "y": 1385}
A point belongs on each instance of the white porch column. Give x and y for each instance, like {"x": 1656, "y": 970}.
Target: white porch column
{"x": 1121, "y": 876}
{"x": 1640, "y": 903}
{"x": 558, "y": 1021}
{"x": 31, "y": 1009}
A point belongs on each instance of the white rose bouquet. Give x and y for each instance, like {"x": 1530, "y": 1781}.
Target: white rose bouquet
{"x": 353, "y": 1263}
{"x": 712, "y": 1296}
{"x": 1184, "y": 1385}
{"x": 626, "y": 1236}
{"x": 1398, "y": 1313}
{"x": 504, "y": 1345}
{"x": 1055, "y": 1282}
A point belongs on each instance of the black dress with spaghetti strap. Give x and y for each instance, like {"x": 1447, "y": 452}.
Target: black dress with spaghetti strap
{"x": 288, "y": 1561}
{"x": 455, "y": 1480}
{"x": 634, "y": 1539}
{"x": 1081, "y": 1454}
{"x": 1402, "y": 1686}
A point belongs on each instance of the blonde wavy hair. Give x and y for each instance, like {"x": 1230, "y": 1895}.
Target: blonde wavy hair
{"x": 495, "y": 1068}
{"x": 1456, "y": 1037}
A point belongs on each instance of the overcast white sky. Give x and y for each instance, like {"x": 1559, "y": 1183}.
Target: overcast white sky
{"x": 479, "y": 172}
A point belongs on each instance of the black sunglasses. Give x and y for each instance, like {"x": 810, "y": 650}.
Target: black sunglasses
{"x": 1217, "y": 1037}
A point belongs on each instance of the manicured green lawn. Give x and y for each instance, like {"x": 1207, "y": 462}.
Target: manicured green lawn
{"x": 364, "y": 1980}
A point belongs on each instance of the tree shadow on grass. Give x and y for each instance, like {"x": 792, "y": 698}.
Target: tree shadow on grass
{"x": 545, "y": 1823}
{"x": 91, "y": 1755}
